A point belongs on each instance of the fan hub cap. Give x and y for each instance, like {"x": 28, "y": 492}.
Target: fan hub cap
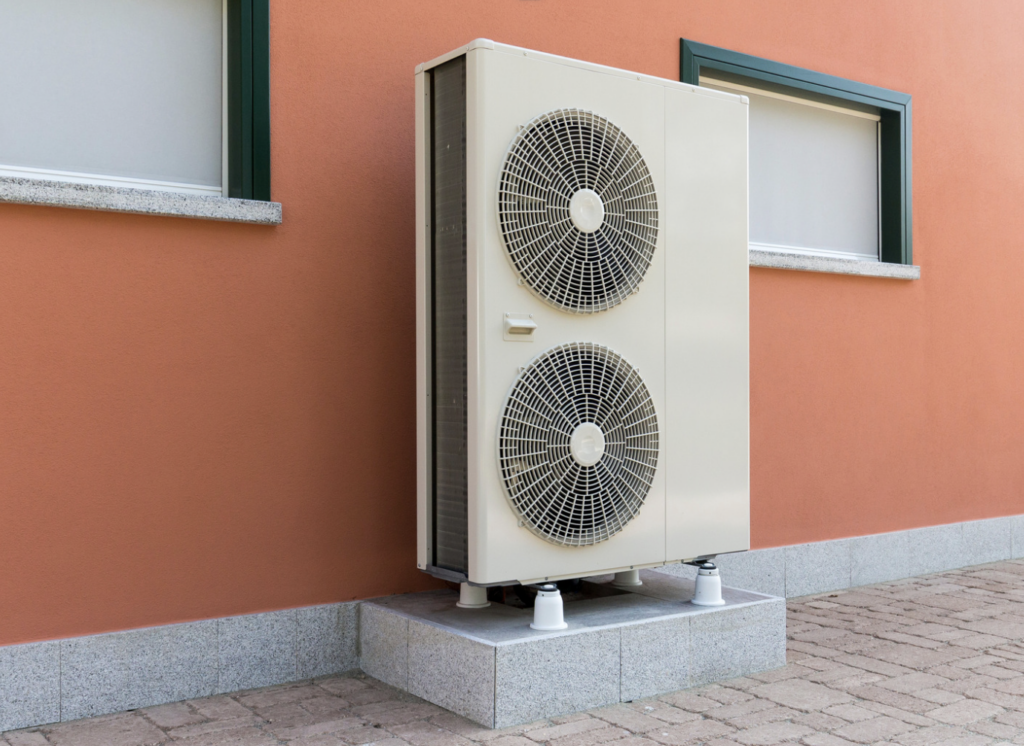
{"x": 587, "y": 444}
{"x": 586, "y": 210}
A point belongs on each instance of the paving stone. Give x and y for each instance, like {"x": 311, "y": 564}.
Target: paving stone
{"x": 637, "y": 741}
{"x": 220, "y": 707}
{"x": 427, "y": 734}
{"x": 570, "y": 718}
{"x": 772, "y": 733}
{"x": 628, "y": 718}
{"x": 913, "y": 682}
{"x": 825, "y": 739}
{"x": 938, "y": 696}
{"x": 801, "y": 695}
{"x": 727, "y": 712}
{"x": 695, "y": 732}
{"x": 599, "y": 735}
{"x": 967, "y": 711}
{"x": 326, "y": 740}
{"x": 25, "y": 738}
{"x": 557, "y": 731}
{"x": 214, "y": 726}
{"x": 941, "y": 734}
{"x": 893, "y": 699}
{"x": 474, "y": 731}
{"x": 755, "y": 719}
{"x": 304, "y": 729}
{"x": 324, "y": 706}
{"x": 876, "y": 729}
{"x": 110, "y": 730}
{"x": 724, "y": 695}
{"x": 511, "y": 741}
{"x": 819, "y": 721}
{"x": 247, "y": 736}
{"x": 689, "y": 701}
{"x": 173, "y": 715}
{"x": 277, "y": 696}
{"x": 851, "y": 713}
{"x": 1015, "y": 686}
{"x": 994, "y": 730}
{"x": 675, "y": 715}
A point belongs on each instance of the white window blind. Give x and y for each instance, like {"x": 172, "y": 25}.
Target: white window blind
{"x": 122, "y": 92}
{"x": 814, "y": 175}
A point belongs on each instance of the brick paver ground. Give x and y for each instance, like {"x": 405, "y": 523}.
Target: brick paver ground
{"x": 936, "y": 659}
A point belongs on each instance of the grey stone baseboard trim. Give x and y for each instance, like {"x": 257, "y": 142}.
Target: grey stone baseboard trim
{"x": 820, "y": 567}
{"x": 807, "y": 263}
{"x": 59, "y": 680}
{"x": 137, "y": 201}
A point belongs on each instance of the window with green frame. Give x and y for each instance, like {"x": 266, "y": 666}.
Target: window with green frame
{"x": 248, "y": 94}
{"x": 871, "y": 177}
{"x": 166, "y": 95}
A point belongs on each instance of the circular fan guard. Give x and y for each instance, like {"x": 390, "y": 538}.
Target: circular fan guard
{"x": 553, "y": 158}
{"x": 556, "y": 496}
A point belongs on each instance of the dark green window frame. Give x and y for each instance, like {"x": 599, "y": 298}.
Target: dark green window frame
{"x": 895, "y": 109}
{"x": 248, "y": 77}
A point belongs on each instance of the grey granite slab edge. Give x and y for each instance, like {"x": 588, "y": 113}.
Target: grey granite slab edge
{"x": 29, "y": 684}
{"x": 808, "y": 263}
{"x": 137, "y": 201}
{"x": 107, "y": 673}
{"x": 60, "y": 680}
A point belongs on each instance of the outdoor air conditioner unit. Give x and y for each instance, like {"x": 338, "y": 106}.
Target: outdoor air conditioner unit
{"x": 582, "y": 331}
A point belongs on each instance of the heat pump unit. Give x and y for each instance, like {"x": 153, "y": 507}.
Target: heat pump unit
{"x": 582, "y": 333}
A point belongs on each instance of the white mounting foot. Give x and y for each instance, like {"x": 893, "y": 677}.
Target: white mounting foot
{"x": 547, "y": 609}
{"x": 707, "y": 591}
{"x": 472, "y": 597}
{"x": 627, "y": 579}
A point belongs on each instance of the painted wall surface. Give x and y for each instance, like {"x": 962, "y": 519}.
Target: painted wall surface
{"x": 200, "y": 419}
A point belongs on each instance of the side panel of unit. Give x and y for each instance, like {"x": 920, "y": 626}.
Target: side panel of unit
{"x": 442, "y": 374}
{"x": 707, "y": 326}
{"x": 424, "y": 546}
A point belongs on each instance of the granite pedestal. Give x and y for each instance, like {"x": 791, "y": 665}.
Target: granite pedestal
{"x": 620, "y": 645}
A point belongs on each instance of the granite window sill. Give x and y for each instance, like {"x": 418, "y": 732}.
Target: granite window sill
{"x": 805, "y": 263}
{"x": 137, "y": 201}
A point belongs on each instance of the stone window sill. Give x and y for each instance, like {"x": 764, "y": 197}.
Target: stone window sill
{"x": 805, "y": 263}
{"x": 137, "y": 201}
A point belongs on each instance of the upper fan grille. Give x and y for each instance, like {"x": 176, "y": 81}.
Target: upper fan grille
{"x": 561, "y": 491}
{"x": 554, "y": 158}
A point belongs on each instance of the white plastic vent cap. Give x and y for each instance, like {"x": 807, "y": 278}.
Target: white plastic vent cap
{"x": 586, "y": 210}
{"x": 587, "y": 444}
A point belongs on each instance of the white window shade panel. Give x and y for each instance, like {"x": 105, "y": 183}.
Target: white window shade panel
{"x": 130, "y": 90}
{"x": 814, "y": 176}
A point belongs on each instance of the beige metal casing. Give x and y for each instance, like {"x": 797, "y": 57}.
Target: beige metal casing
{"x": 694, "y": 143}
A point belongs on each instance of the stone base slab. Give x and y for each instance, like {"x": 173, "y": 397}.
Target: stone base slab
{"x": 620, "y": 645}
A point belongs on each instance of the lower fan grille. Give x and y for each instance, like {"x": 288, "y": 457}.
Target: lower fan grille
{"x": 578, "y": 444}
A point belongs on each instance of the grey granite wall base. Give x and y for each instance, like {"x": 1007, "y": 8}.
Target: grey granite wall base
{"x": 489, "y": 666}
{"x": 823, "y": 566}
{"x": 80, "y": 677}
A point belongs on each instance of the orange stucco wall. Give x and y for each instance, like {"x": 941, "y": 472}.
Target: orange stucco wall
{"x": 200, "y": 419}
